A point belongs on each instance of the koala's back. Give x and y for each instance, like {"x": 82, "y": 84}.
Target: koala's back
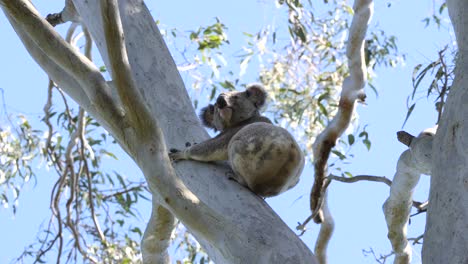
{"x": 266, "y": 157}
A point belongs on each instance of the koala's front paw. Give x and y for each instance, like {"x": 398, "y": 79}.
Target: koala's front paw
{"x": 176, "y": 155}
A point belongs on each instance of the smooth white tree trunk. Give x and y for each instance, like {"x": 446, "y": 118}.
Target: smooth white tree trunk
{"x": 446, "y": 235}
{"x": 232, "y": 224}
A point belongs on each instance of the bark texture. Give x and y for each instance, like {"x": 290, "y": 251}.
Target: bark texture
{"x": 446, "y": 235}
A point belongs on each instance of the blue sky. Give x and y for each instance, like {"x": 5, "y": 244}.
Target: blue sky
{"x": 356, "y": 207}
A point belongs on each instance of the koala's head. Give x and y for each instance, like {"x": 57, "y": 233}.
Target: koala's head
{"x": 231, "y": 108}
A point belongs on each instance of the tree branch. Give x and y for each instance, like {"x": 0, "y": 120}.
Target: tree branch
{"x": 134, "y": 106}
{"x": 411, "y": 164}
{"x": 357, "y": 178}
{"x": 352, "y": 91}
{"x": 418, "y": 205}
{"x": 58, "y": 75}
{"x": 157, "y": 236}
{"x": 67, "y": 14}
{"x": 405, "y": 137}
{"x": 325, "y": 233}
{"x": 66, "y": 57}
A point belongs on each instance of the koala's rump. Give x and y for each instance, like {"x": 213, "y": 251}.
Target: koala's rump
{"x": 266, "y": 157}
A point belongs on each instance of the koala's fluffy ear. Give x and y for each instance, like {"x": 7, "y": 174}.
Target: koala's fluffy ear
{"x": 257, "y": 94}
{"x": 206, "y": 116}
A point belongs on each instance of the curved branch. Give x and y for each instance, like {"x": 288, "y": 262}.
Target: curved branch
{"x": 411, "y": 164}
{"x": 357, "y": 178}
{"x": 352, "y": 91}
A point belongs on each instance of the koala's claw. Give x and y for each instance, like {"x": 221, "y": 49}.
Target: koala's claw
{"x": 176, "y": 155}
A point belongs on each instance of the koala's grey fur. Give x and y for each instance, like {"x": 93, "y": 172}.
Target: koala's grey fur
{"x": 264, "y": 157}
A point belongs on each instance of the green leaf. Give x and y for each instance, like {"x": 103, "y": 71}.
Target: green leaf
{"x": 300, "y": 32}
{"x": 367, "y": 143}
{"x": 351, "y": 139}
{"x": 213, "y": 92}
{"x": 110, "y": 154}
{"x": 410, "y": 110}
{"x": 442, "y": 7}
{"x": 323, "y": 109}
{"x": 339, "y": 154}
{"x": 422, "y": 74}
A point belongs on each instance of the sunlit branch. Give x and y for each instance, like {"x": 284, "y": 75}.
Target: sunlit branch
{"x": 135, "y": 108}
{"x": 78, "y": 67}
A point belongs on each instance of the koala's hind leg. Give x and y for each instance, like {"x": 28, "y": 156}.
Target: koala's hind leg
{"x": 267, "y": 157}
{"x": 238, "y": 178}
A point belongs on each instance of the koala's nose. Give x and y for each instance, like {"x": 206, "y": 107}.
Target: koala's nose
{"x": 221, "y": 102}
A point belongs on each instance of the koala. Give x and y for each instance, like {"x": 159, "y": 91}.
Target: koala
{"x": 265, "y": 158}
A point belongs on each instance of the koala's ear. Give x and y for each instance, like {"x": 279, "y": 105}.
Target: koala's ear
{"x": 257, "y": 94}
{"x": 206, "y": 116}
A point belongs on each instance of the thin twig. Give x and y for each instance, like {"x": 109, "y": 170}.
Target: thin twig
{"x": 416, "y": 239}
{"x": 381, "y": 259}
{"x": 302, "y": 227}
{"x": 134, "y": 188}
{"x": 421, "y": 207}
{"x": 357, "y": 178}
